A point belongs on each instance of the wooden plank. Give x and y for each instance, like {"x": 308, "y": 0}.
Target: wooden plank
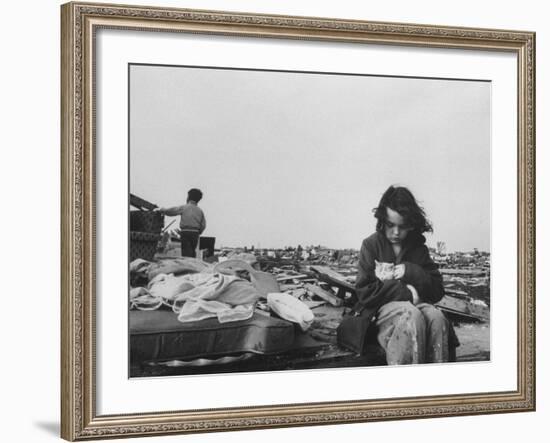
{"x": 469, "y": 309}
{"x": 464, "y": 272}
{"x": 325, "y": 295}
{"x": 455, "y": 292}
{"x": 333, "y": 277}
{"x": 291, "y": 277}
{"x": 140, "y": 203}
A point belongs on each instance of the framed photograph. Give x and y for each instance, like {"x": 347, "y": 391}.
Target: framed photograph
{"x": 282, "y": 221}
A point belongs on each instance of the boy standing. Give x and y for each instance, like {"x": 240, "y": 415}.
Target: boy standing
{"x": 192, "y": 222}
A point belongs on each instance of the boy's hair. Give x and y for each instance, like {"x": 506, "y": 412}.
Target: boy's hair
{"x": 401, "y": 200}
{"x": 194, "y": 195}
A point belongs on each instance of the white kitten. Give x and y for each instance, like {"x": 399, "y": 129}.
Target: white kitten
{"x": 384, "y": 271}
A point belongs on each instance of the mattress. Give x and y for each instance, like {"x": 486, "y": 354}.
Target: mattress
{"x": 159, "y": 336}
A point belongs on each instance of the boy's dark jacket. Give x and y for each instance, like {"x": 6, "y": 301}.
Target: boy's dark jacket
{"x": 420, "y": 272}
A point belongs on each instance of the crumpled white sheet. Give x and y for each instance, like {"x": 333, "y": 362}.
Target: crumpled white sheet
{"x": 204, "y": 295}
{"x": 141, "y": 299}
{"x": 169, "y": 286}
{"x": 291, "y": 309}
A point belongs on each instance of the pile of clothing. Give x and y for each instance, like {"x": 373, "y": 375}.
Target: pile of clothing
{"x": 193, "y": 289}
{"x": 196, "y": 290}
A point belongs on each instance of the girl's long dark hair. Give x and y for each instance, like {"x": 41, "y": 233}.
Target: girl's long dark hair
{"x": 401, "y": 200}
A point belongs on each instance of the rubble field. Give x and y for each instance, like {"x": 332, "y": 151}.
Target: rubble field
{"x": 323, "y": 279}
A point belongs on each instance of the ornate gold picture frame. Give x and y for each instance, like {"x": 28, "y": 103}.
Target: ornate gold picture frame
{"x": 81, "y": 22}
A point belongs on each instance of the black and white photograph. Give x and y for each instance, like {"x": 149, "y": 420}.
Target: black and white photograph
{"x": 292, "y": 220}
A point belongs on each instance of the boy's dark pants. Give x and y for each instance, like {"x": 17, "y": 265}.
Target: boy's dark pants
{"x": 189, "y": 241}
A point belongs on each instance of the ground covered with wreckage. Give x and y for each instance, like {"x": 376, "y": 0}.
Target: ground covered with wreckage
{"x": 324, "y": 281}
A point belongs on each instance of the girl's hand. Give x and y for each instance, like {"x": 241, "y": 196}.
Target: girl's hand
{"x": 399, "y": 271}
{"x": 414, "y": 294}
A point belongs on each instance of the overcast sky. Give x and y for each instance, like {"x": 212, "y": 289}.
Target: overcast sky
{"x": 296, "y": 158}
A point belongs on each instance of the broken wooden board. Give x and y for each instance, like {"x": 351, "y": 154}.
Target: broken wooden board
{"x": 470, "y": 309}
{"x": 323, "y": 294}
{"x": 463, "y": 272}
{"x": 456, "y": 292}
{"x": 333, "y": 277}
{"x": 140, "y": 203}
{"x": 291, "y": 277}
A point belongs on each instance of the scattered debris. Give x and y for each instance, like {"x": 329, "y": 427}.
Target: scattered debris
{"x": 323, "y": 282}
{"x": 475, "y": 309}
{"x": 323, "y": 294}
{"x": 291, "y": 277}
{"x": 328, "y": 276}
